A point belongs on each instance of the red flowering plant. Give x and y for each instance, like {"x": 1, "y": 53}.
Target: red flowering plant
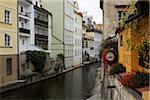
{"x": 136, "y": 80}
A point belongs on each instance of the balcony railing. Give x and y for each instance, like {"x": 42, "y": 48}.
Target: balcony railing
{"x": 26, "y": 14}
{"x": 22, "y": 30}
{"x": 41, "y": 37}
{"x": 41, "y": 23}
{"x": 91, "y": 48}
{"x": 41, "y": 41}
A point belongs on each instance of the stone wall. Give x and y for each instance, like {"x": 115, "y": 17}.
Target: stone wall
{"x": 3, "y": 71}
{"x": 124, "y": 93}
{"x": 27, "y": 69}
{"x": 111, "y": 15}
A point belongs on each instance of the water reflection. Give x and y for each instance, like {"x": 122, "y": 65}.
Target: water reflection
{"x": 73, "y": 85}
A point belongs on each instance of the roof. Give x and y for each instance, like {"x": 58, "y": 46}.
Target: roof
{"x": 79, "y": 13}
{"x": 142, "y": 10}
{"x": 120, "y": 6}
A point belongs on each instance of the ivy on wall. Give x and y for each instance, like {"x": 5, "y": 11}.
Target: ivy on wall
{"x": 136, "y": 27}
{"x": 37, "y": 58}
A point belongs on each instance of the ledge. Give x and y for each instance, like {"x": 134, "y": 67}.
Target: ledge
{"x": 5, "y": 23}
{"x": 6, "y": 47}
{"x": 137, "y": 94}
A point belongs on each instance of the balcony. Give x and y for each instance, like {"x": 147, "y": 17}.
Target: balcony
{"x": 25, "y": 15}
{"x": 41, "y": 37}
{"x": 25, "y": 2}
{"x": 41, "y": 41}
{"x": 22, "y": 30}
{"x": 91, "y": 48}
{"x": 41, "y": 23}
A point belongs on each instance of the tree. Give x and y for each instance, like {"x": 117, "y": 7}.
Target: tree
{"x": 37, "y": 58}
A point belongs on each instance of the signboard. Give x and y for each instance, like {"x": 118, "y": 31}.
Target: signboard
{"x": 110, "y": 56}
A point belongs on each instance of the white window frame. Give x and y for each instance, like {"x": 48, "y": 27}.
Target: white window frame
{"x": 122, "y": 14}
{"x": 10, "y": 21}
{"x": 7, "y": 40}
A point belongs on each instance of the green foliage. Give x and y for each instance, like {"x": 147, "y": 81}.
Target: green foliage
{"x": 136, "y": 80}
{"x": 37, "y": 58}
{"x": 61, "y": 56}
{"x": 135, "y": 28}
{"x": 143, "y": 46}
{"x": 118, "y": 68}
{"x": 140, "y": 79}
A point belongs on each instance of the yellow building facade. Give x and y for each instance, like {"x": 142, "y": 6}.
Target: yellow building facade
{"x": 130, "y": 57}
{"x": 8, "y": 40}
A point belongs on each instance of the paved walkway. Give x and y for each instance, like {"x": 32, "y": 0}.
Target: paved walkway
{"x": 102, "y": 81}
{"x": 97, "y": 87}
{"x": 12, "y": 82}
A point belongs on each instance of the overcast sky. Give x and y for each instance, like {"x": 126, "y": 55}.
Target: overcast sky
{"x": 92, "y": 7}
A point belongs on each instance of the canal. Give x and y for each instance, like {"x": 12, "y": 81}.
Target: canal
{"x": 73, "y": 85}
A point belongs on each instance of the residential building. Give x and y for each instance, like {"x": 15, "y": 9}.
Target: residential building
{"x": 25, "y": 20}
{"x": 77, "y": 36}
{"x": 35, "y": 29}
{"x": 86, "y": 39}
{"x": 137, "y": 36}
{"x": 92, "y": 39}
{"x": 85, "y": 43}
{"x": 63, "y": 28}
{"x": 113, "y": 10}
{"x": 8, "y": 41}
{"x": 133, "y": 59}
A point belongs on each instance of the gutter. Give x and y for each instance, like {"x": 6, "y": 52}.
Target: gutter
{"x": 17, "y": 41}
{"x": 63, "y": 33}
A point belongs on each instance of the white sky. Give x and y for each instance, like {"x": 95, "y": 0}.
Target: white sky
{"x": 92, "y": 7}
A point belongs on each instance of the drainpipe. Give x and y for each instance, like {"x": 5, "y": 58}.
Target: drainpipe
{"x": 63, "y": 33}
{"x": 17, "y": 42}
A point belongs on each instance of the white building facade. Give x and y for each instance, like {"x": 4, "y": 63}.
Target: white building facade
{"x": 63, "y": 29}
{"x": 97, "y": 44}
{"x": 69, "y": 32}
{"x": 35, "y": 29}
{"x": 77, "y": 36}
{"x": 25, "y": 9}
{"x": 28, "y": 26}
{"x": 92, "y": 39}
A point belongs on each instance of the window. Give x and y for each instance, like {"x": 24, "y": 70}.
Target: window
{"x": 7, "y": 40}
{"x": 21, "y": 9}
{"x": 22, "y": 25}
{"x": 23, "y": 41}
{"x": 144, "y": 57}
{"x": 75, "y": 30}
{"x": 120, "y": 15}
{"x": 7, "y": 16}
{"x": 23, "y": 67}
{"x": 36, "y": 3}
{"x": 9, "y": 66}
{"x": 82, "y": 44}
{"x": 86, "y": 44}
{"x": 75, "y": 19}
{"x": 121, "y": 40}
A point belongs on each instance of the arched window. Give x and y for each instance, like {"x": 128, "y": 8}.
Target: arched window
{"x": 7, "y": 40}
{"x": 21, "y": 9}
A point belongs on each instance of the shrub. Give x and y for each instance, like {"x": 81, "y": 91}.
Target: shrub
{"x": 136, "y": 80}
{"x": 37, "y": 58}
{"x": 61, "y": 56}
{"x": 118, "y": 68}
